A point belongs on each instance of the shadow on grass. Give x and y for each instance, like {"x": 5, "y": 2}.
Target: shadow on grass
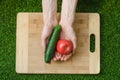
{"x": 88, "y": 5}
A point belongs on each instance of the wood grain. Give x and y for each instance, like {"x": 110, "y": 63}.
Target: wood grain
{"x": 29, "y": 55}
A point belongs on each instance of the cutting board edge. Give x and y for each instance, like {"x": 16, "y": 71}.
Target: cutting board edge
{"x": 94, "y": 28}
{"x": 21, "y": 66}
{"x": 26, "y": 72}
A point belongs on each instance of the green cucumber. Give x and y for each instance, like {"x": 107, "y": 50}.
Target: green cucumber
{"x": 51, "y": 46}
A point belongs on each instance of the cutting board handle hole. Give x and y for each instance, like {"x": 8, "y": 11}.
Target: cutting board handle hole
{"x": 92, "y": 43}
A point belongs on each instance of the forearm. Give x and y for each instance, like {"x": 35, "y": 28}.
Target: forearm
{"x": 68, "y": 12}
{"x": 49, "y": 11}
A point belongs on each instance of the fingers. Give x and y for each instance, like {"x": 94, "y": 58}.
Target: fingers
{"x": 74, "y": 43}
{"x": 45, "y": 37}
{"x": 67, "y": 57}
{"x": 60, "y": 57}
{"x": 43, "y": 44}
{"x": 73, "y": 38}
{"x": 54, "y": 58}
{"x": 57, "y": 56}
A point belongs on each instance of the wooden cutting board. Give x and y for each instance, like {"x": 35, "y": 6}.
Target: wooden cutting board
{"x": 29, "y": 55}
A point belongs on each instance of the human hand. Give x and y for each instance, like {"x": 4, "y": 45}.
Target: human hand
{"x": 68, "y": 34}
{"x": 47, "y": 30}
{"x": 67, "y": 16}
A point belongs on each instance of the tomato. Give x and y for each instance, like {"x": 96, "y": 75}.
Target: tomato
{"x": 64, "y": 47}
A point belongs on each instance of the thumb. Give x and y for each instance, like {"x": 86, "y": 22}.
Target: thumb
{"x": 45, "y": 36}
{"x": 44, "y": 39}
{"x": 43, "y": 45}
{"x": 74, "y": 44}
{"x": 44, "y": 42}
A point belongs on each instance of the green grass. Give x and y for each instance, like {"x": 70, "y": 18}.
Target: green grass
{"x": 109, "y": 11}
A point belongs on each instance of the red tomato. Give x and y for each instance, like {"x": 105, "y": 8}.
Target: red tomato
{"x": 64, "y": 47}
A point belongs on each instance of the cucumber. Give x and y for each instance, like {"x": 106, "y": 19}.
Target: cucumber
{"x": 51, "y": 46}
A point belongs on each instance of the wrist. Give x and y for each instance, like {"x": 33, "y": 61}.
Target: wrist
{"x": 51, "y": 22}
{"x": 65, "y": 23}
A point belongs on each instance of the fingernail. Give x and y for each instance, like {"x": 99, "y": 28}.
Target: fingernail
{"x": 61, "y": 59}
{"x": 54, "y": 59}
{"x": 65, "y": 59}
